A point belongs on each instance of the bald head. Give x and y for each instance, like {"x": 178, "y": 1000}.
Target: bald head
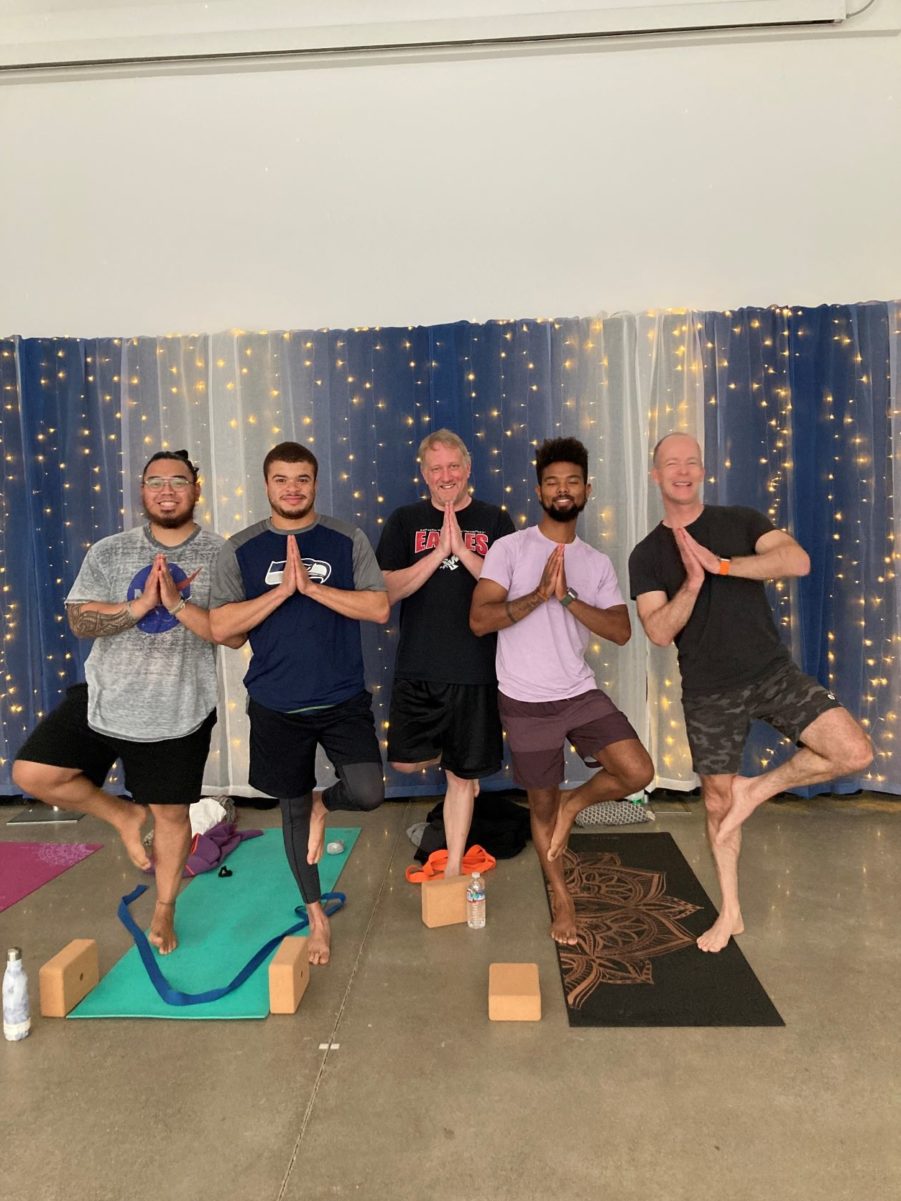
{"x": 677, "y": 444}
{"x": 678, "y": 471}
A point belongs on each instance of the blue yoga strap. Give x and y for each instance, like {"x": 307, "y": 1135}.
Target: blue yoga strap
{"x": 171, "y": 995}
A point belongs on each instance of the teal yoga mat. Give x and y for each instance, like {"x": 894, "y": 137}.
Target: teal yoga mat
{"x": 221, "y": 922}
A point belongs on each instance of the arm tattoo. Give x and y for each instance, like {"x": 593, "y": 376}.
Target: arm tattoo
{"x": 99, "y": 625}
{"x": 523, "y": 605}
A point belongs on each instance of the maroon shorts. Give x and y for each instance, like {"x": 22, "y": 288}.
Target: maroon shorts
{"x": 537, "y": 732}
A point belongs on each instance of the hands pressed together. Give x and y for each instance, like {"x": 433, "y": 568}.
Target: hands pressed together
{"x": 160, "y": 588}
{"x": 450, "y": 541}
{"x": 697, "y": 559}
{"x": 295, "y": 577}
{"x": 553, "y": 578}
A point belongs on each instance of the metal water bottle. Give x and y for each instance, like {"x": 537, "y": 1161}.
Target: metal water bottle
{"x": 16, "y": 1010}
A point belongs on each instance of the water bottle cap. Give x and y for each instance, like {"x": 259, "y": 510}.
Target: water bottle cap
{"x": 476, "y": 875}
{"x": 13, "y": 954}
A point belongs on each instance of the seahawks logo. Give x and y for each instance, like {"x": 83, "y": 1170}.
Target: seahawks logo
{"x": 317, "y": 570}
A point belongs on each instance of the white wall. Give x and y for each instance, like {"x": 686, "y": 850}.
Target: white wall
{"x": 702, "y": 174}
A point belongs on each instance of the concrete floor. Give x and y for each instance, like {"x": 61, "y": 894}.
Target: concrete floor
{"x": 425, "y": 1098}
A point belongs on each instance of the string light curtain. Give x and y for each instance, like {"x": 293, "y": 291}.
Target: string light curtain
{"x": 765, "y": 391}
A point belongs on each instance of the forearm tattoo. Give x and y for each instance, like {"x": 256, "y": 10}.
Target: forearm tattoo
{"x": 99, "y": 625}
{"x": 523, "y": 606}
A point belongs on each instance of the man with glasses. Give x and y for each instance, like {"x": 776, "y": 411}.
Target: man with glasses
{"x": 150, "y": 693}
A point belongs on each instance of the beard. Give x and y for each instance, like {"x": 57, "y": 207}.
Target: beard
{"x": 170, "y": 521}
{"x": 564, "y": 515}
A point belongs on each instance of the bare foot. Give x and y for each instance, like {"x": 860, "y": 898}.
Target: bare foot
{"x": 720, "y": 932}
{"x": 563, "y": 927}
{"x": 162, "y": 928}
{"x": 319, "y": 942}
{"x": 743, "y": 805}
{"x": 566, "y": 815}
{"x": 316, "y": 843}
{"x": 128, "y": 824}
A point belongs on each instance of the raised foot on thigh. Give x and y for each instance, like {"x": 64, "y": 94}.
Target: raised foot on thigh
{"x": 128, "y": 823}
{"x": 316, "y": 842}
{"x": 743, "y": 805}
{"x": 563, "y": 927}
{"x": 319, "y": 942}
{"x": 720, "y": 932}
{"x": 162, "y": 928}
{"x": 570, "y": 805}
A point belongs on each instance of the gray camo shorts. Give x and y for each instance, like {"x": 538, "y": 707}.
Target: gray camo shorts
{"x": 718, "y": 722}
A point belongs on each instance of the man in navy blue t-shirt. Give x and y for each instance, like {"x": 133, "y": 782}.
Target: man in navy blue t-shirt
{"x": 298, "y": 585}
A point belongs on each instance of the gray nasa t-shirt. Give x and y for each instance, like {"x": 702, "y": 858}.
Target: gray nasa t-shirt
{"x": 156, "y": 680}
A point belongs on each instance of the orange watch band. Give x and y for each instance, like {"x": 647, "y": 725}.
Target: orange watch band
{"x": 725, "y": 564}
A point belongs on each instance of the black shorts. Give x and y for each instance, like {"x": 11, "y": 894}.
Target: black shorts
{"x": 283, "y": 745}
{"x": 456, "y": 723}
{"x": 717, "y": 723}
{"x": 168, "y": 772}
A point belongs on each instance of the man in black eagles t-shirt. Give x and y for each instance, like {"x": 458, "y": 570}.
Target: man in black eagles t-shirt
{"x": 698, "y": 581}
{"x": 297, "y": 585}
{"x": 444, "y": 701}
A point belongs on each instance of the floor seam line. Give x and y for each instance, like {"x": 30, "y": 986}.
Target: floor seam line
{"x": 353, "y": 974}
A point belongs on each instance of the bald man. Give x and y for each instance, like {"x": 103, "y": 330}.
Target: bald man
{"x": 698, "y": 580}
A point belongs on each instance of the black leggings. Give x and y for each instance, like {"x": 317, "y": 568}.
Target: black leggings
{"x": 359, "y": 789}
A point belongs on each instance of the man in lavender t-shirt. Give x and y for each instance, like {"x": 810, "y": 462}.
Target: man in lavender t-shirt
{"x": 545, "y": 592}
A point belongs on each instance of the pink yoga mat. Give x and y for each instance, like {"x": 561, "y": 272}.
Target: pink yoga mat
{"x": 25, "y": 866}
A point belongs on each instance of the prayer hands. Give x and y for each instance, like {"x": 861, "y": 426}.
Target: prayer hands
{"x": 553, "y": 578}
{"x": 150, "y": 594}
{"x": 695, "y": 558}
{"x": 168, "y": 589}
{"x": 450, "y": 541}
{"x": 295, "y": 577}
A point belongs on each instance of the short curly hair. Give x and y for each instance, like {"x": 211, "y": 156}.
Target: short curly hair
{"x": 561, "y": 450}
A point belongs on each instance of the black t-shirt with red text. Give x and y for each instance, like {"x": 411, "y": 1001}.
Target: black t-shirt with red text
{"x": 436, "y": 643}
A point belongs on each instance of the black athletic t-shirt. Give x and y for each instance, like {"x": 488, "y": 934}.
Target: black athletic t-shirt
{"x": 436, "y": 643}
{"x": 731, "y": 638}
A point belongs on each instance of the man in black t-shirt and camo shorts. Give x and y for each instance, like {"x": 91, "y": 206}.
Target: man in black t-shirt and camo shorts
{"x": 697, "y": 579}
{"x": 444, "y": 701}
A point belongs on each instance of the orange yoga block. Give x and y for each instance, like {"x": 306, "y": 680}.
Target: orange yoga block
{"x": 514, "y": 994}
{"x": 289, "y": 975}
{"x": 68, "y": 977}
{"x": 444, "y": 901}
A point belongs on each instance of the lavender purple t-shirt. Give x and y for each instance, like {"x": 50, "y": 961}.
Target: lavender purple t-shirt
{"x": 542, "y": 657}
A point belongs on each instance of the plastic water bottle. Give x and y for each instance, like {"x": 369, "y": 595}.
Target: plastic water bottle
{"x": 16, "y": 1010}
{"x": 475, "y": 902}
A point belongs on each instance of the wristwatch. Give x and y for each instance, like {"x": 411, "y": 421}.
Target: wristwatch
{"x": 724, "y": 566}
{"x": 568, "y": 597}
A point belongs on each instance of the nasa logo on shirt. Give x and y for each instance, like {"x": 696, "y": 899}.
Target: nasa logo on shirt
{"x": 159, "y": 619}
{"x": 318, "y": 570}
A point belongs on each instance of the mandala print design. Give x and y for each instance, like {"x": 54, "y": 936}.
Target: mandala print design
{"x": 624, "y": 920}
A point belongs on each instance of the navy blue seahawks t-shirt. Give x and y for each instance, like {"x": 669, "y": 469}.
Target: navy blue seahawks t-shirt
{"x": 304, "y": 654}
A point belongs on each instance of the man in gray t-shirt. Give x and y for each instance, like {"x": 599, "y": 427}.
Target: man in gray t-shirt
{"x": 150, "y": 692}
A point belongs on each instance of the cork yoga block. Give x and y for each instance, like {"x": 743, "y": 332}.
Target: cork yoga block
{"x": 289, "y": 975}
{"x": 514, "y": 994}
{"x": 68, "y": 977}
{"x": 444, "y": 901}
